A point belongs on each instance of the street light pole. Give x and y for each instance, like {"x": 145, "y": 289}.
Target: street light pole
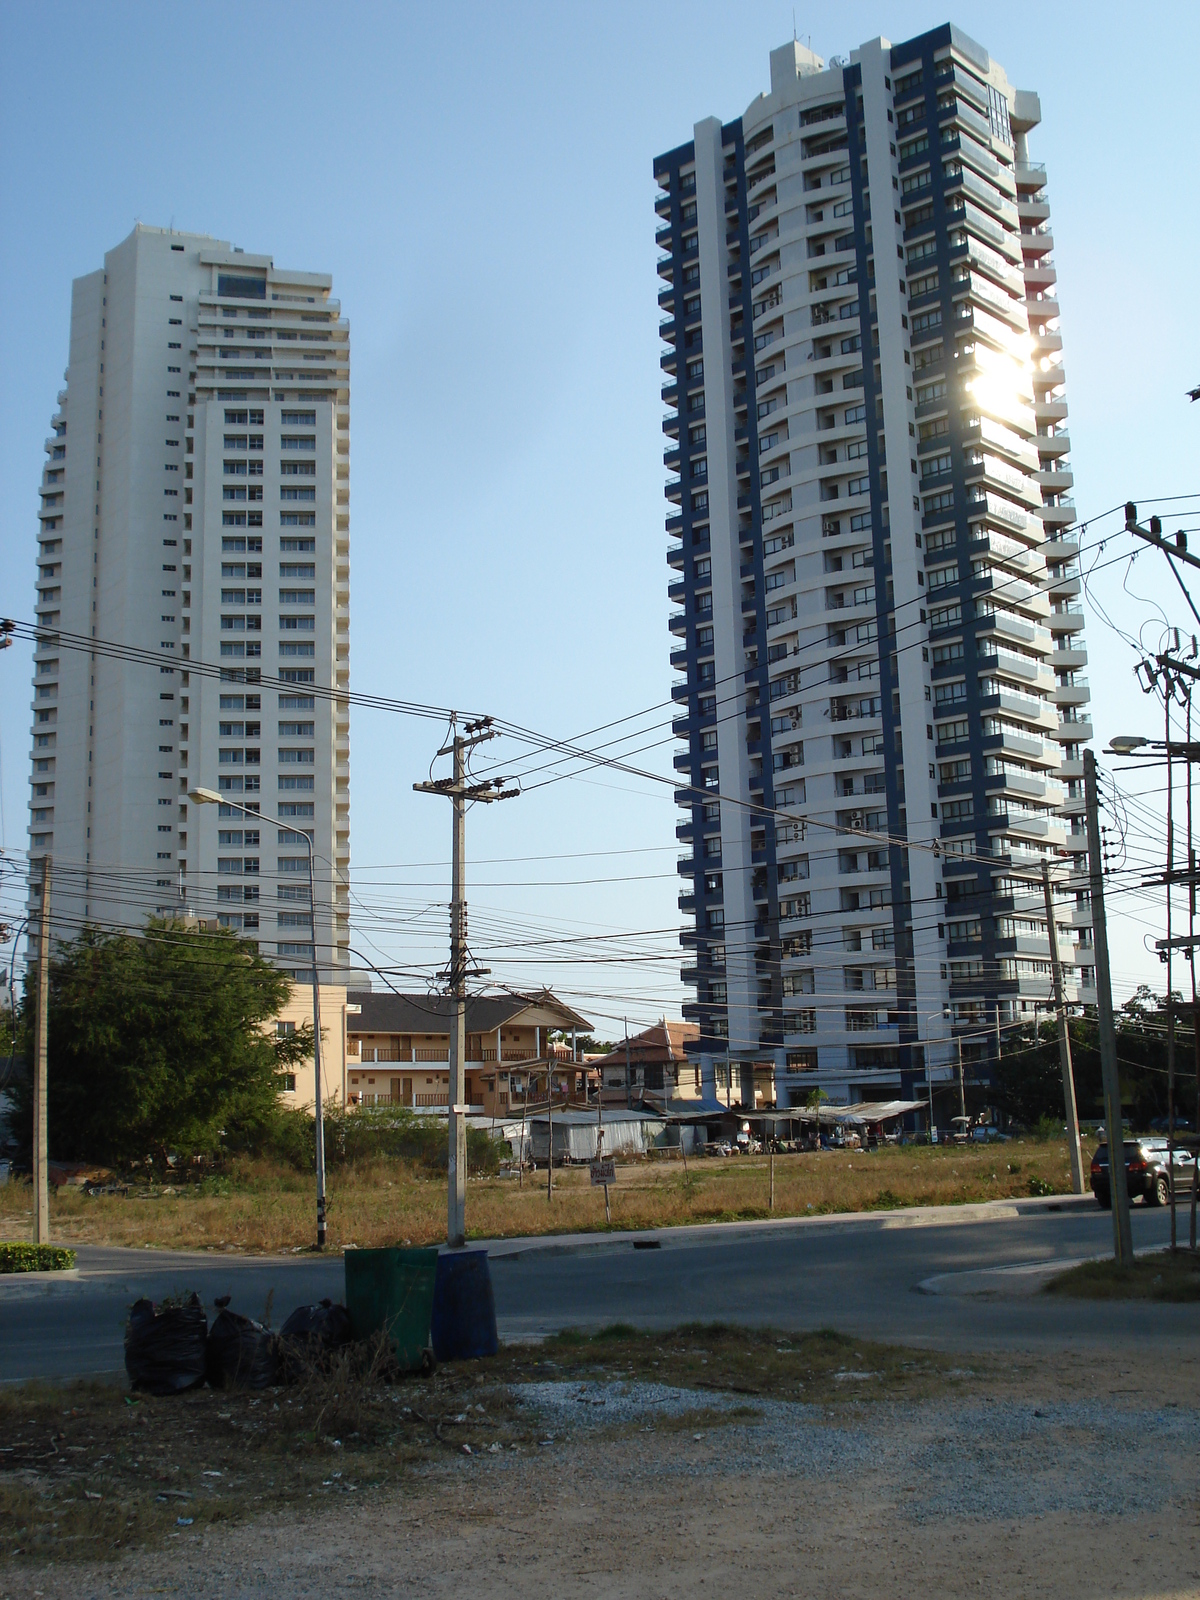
{"x": 41, "y": 1025}
{"x": 1118, "y": 1189}
{"x": 208, "y": 797}
{"x": 1064, "y": 1037}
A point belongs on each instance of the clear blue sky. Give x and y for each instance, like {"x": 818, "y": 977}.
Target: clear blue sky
{"x": 477, "y": 178}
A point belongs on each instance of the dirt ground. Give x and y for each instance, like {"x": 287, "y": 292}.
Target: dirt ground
{"x": 800, "y": 1469}
{"x": 257, "y": 1206}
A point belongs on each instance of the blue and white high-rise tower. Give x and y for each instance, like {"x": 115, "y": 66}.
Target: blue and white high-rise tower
{"x": 878, "y": 633}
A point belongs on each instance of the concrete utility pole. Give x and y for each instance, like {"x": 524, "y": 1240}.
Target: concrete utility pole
{"x": 1064, "y": 1038}
{"x": 41, "y": 1019}
{"x": 461, "y": 793}
{"x": 1122, "y": 1232}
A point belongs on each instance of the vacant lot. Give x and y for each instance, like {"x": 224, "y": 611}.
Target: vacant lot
{"x": 262, "y": 1207}
{"x": 739, "y": 1459}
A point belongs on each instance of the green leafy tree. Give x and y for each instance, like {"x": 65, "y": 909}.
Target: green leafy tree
{"x": 1029, "y": 1079}
{"x": 158, "y": 1044}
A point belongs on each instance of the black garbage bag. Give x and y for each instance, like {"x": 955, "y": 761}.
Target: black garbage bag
{"x": 165, "y": 1345}
{"x": 310, "y": 1334}
{"x": 241, "y": 1352}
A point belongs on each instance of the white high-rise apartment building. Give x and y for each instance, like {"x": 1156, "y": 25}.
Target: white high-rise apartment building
{"x": 878, "y": 628}
{"x": 196, "y": 511}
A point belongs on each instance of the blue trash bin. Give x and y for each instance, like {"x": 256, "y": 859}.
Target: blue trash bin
{"x": 463, "y": 1326}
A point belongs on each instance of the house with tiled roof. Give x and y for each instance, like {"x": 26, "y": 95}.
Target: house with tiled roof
{"x": 652, "y": 1067}
{"x": 398, "y": 1050}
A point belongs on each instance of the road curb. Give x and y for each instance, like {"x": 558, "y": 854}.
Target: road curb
{"x": 692, "y": 1233}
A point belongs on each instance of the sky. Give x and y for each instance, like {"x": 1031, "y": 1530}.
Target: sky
{"x": 478, "y": 180}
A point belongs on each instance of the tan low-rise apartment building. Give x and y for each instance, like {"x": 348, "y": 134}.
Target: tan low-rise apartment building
{"x": 398, "y": 1050}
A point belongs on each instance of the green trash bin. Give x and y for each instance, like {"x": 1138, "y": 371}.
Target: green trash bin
{"x": 392, "y": 1289}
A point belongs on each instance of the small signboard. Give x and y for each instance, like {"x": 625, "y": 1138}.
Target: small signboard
{"x": 604, "y": 1171}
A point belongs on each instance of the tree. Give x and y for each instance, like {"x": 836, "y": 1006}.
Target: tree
{"x": 1028, "y": 1082}
{"x": 157, "y": 1044}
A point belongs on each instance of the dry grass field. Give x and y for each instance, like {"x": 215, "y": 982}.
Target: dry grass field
{"x": 258, "y": 1207}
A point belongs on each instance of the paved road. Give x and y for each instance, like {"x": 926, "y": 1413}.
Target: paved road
{"x": 861, "y": 1274}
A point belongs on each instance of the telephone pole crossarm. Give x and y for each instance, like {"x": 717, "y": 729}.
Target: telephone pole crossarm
{"x": 1154, "y": 535}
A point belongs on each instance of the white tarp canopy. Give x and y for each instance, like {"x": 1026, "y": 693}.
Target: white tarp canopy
{"x": 864, "y": 1111}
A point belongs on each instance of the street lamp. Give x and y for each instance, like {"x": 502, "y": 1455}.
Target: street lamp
{"x": 209, "y": 797}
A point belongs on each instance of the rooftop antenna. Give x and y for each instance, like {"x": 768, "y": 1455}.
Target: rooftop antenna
{"x": 795, "y": 36}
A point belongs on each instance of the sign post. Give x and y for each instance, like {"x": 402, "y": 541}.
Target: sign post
{"x": 604, "y": 1172}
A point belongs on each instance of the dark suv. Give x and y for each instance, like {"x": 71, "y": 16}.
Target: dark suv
{"x": 1147, "y": 1171}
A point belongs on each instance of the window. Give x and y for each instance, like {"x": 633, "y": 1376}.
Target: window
{"x": 298, "y": 419}
{"x": 289, "y": 441}
{"x": 231, "y": 287}
{"x": 297, "y": 519}
{"x": 297, "y": 494}
{"x": 297, "y": 544}
{"x": 298, "y": 469}
{"x": 297, "y": 597}
{"x": 296, "y": 730}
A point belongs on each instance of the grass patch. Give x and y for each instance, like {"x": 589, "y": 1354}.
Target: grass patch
{"x": 263, "y": 1205}
{"x": 758, "y": 1362}
{"x": 1165, "y": 1275}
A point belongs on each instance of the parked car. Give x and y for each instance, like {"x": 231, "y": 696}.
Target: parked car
{"x": 1161, "y": 1125}
{"x": 1147, "y": 1171}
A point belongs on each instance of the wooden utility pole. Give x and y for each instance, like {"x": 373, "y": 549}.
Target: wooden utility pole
{"x": 549, "y": 1127}
{"x": 600, "y": 1139}
{"x": 41, "y": 1021}
{"x": 1118, "y": 1189}
{"x": 460, "y": 792}
{"x": 1064, "y": 1038}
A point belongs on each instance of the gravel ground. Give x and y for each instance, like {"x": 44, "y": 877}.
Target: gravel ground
{"x": 998, "y": 1458}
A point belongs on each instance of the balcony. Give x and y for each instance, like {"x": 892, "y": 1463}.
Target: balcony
{"x": 1030, "y": 175}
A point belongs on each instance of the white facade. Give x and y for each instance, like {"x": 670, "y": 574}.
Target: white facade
{"x": 195, "y": 509}
{"x": 884, "y": 714}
